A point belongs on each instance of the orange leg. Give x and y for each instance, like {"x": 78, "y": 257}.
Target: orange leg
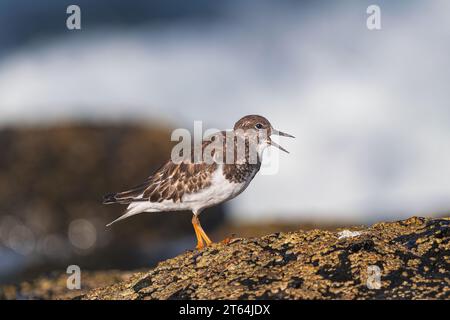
{"x": 196, "y": 224}
{"x": 205, "y": 236}
{"x": 200, "y": 232}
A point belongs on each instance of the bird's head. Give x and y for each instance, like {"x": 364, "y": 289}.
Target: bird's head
{"x": 255, "y": 126}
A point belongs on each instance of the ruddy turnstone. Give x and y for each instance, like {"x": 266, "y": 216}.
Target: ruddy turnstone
{"x": 196, "y": 183}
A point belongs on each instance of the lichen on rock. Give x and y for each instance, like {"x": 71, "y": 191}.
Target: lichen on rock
{"x": 412, "y": 256}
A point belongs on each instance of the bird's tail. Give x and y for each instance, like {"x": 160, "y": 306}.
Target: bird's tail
{"x": 125, "y": 197}
{"x": 133, "y": 209}
{"x": 124, "y": 216}
{"x": 122, "y": 198}
{"x": 133, "y": 197}
{"x": 110, "y": 198}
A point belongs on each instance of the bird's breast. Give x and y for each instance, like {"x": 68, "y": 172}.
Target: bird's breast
{"x": 240, "y": 173}
{"x": 221, "y": 188}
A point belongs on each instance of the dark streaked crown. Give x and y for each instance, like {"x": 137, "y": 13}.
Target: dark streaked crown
{"x": 254, "y": 122}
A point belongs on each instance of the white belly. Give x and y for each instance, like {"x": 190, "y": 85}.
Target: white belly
{"x": 219, "y": 191}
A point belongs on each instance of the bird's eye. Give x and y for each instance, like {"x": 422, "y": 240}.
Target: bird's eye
{"x": 258, "y": 126}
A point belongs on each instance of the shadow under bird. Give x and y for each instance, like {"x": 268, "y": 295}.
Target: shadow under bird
{"x": 200, "y": 184}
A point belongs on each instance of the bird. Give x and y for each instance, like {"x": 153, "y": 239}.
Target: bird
{"x": 194, "y": 184}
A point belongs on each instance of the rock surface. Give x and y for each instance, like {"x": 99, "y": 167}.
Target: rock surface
{"x": 54, "y": 285}
{"x": 413, "y": 257}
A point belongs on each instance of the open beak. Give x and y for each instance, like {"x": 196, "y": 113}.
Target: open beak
{"x": 272, "y": 143}
{"x": 279, "y": 133}
{"x": 282, "y": 134}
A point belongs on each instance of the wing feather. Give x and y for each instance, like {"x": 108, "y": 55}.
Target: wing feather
{"x": 170, "y": 182}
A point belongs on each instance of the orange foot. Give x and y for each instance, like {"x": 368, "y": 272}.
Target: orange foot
{"x": 227, "y": 240}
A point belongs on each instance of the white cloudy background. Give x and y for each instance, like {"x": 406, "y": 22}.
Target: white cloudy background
{"x": 370, "y": 109}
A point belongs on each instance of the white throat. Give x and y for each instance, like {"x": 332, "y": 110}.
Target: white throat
{"x": 261, "y": 147}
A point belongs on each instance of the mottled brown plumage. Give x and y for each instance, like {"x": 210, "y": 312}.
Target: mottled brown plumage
{"x": 170, "y": 182}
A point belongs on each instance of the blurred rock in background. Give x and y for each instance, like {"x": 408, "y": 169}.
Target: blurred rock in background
{"x": 52, "y": 180}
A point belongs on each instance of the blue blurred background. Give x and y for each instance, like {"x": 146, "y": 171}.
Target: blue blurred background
{"x": 369, "y": 108}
